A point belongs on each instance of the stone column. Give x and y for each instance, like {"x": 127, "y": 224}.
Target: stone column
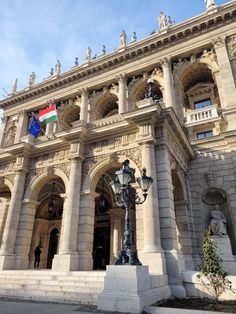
{"x": 84, "y": 105}
{"x": 226, "y": 74}
{"x": 67, "y": 259}
{"x": 24, "y": 235}
{"x": 168, "y": 83}
{"x": 4, "y": 204}
{"x": 116, "y": 232}
{"x": 122, "y": 93}
{"x": 21, "y": 126}
{"x": 7, "y": 250}
{"x": 174, "y": 260}
{"x": 152, "y": 253}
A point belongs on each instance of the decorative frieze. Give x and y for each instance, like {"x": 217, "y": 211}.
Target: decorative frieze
{"x": 48, "y": 158}
{"x": 111, "y": 143}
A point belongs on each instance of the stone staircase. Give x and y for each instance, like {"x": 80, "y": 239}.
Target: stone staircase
{"x": 78, "y": 287}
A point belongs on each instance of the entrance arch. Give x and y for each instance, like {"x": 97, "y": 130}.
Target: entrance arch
{"x": 47, "y": 221}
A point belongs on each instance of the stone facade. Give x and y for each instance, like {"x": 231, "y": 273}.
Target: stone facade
{"x": 184, "y": 134}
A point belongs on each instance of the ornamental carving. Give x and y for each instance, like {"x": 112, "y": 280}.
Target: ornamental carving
{"x": 48, "y": 158}
{"x": 218, "y": 41}
{"x": 231, "y": 46}
{"x": 9, "y": 135}
{"x": 11, "y": 178}
{"x": 6, "y": 167}
{"x": 134, "y": 154}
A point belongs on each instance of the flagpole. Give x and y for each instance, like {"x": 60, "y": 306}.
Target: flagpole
{"x": 33, "y": 114}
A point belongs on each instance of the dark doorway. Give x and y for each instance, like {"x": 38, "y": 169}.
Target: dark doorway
{"x": 52, "y": 248}
{"x": 101, "y": 247}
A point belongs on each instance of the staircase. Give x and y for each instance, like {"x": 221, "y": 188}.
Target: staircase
{"x": 78, "y": 287}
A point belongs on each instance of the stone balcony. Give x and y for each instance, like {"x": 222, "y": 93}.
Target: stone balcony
{"x": 202, "y": 115}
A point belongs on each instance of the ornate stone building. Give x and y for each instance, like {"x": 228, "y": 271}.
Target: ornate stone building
{"x": 167, "y": 103}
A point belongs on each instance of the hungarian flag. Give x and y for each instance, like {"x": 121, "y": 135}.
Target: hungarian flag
{"x": 48, "y": 115}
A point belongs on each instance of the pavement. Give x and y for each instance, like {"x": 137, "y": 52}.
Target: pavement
{"x": 30, "y": 307}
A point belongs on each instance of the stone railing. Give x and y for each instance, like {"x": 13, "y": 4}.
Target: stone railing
{"x": 202, "y": 115}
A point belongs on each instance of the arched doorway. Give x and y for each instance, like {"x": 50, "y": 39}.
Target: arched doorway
{"x": 47, "y": 223}
{"x": 102, "y": 225}
{"x": 52, "y": 246}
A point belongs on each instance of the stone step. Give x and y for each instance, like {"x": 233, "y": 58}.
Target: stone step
{"x": 76, "y": 283}
{"x": 55, "y": 296}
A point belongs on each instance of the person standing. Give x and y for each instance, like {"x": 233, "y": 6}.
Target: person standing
{"x": 37, "y": 253}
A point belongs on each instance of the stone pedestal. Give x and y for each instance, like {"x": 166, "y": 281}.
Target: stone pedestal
{"x": 65, "y": 262}
{"x": 225, "y": 252}
{"x": 128, "y": 289}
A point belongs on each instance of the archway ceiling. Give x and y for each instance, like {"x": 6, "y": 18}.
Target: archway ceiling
{"x": 196, "y": 74}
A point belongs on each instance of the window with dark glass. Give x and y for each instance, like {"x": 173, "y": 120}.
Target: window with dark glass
{"x": 204, "y": 134}
{"x": 202, "y": 104}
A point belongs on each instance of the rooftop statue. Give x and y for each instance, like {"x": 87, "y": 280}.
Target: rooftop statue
{"x": 88, "y": 54}
{"x": 14, "y": 88}
{"x": 76, "y": 62}
{"x": 164, "y": 21}
{"x": 123, "y": 39}
{"x": 218, "y": 222}
{"x": 58, "y": 67}
{"x": 134, "y": 37}
{"x": 210, "y": 4}
{"x": 32, "y": 78}
{"x": 103, "y": 51}
{"x": 51, "y": 72}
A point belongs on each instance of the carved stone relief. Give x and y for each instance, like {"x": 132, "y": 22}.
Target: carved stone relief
{"x": 231, "y": 46}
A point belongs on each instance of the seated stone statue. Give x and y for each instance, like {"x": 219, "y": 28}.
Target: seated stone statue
{"x": 218, "y": 222}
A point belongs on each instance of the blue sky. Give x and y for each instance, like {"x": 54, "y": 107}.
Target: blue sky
{"x": 35, "y": 33}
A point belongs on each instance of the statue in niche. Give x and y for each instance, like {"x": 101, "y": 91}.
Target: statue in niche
{"x": 218, "y": 222}
{"x": 210, "y": 4}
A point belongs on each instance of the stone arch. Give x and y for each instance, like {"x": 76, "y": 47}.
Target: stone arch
{"x": 100, "y": 167}
{"x": 104, "y": 104}
{"x": 36, "y": 184}
{"x": 138, "y": 88}
{"x": 70, "y": 114}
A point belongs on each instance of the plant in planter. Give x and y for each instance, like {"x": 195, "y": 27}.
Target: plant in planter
{"x": 212, "y": 273}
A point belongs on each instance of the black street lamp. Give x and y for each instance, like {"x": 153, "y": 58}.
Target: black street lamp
{"x": 127, "y": 197}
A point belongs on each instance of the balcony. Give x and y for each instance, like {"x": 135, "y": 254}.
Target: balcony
{"x": 202, "y": 115}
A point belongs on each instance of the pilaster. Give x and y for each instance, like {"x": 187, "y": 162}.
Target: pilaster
{"x": 116, "y": 215}
{"x": 174, "y": 259}
{"x": 2, "y": 129}
{"x": 225, "y": 70}
{"x": 168, "y": 83}
{"x": 21, "y": 126}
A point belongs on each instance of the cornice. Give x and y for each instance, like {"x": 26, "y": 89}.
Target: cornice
{"x": 160, "y": 40}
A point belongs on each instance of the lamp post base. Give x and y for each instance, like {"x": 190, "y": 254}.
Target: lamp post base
{"x": 127, "y": 257}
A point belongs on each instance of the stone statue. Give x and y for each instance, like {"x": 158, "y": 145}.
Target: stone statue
{"x": 14, "y": 88}
{"x": 32, "y": 78}
{"x": 210, "y": 4}
{"x": 88, "y": 54}
{"x": 58, "y": 67}
{"x": 163, "y": 21}
{"x": 218, "y": 222}
{"x": 51, "y": 72}
{"x": 134, "y": 37}
{"x": 76, "y": 62}
{"x": 103, "y": 51}
{"x": 123, "y": 39}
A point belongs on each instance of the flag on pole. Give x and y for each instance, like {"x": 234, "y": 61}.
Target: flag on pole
{"x": 48, "y": 115}
{"x": 34, "y": 127}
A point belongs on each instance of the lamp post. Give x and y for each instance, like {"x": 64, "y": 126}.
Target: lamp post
{"x": 127, "y": 197}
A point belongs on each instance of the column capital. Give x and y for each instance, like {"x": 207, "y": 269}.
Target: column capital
{"x": 166, "y": 62}
{"x": 219, "y": 41}
{"x": 84, "y": 91}
{"x": 30, "y": 202}
{"x": 122, "y": 77}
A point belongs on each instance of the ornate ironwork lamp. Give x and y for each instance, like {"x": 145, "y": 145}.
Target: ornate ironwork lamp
{"x": 127, "y": 197}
